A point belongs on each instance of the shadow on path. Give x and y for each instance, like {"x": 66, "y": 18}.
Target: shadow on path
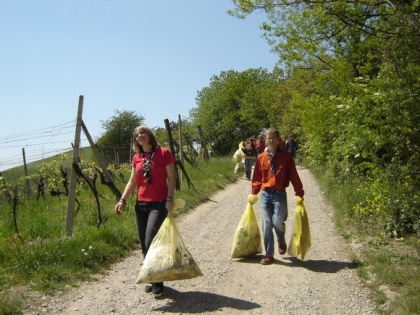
{"x": 198, "y": 302}
{"x": 325, "y": 266}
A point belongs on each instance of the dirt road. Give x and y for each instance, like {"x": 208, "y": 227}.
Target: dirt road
{"x": 325, "y": 283}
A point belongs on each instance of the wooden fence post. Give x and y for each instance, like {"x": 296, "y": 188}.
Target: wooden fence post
{"x": 102, "y": 163}
{"x": 25, "y": 168}
{"x": 73, "y": 175}
{"x": 172, "y": 149}
{"x": 181, "y": 151}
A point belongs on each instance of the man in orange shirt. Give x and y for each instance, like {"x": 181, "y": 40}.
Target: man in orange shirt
{"x": 273, "y": 172}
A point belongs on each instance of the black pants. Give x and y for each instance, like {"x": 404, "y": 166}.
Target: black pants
{"x": 149, "y": 218}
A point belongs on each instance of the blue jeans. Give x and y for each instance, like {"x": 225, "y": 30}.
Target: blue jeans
{"x": 274, "y": 214}
{"x": 248, "y": 167}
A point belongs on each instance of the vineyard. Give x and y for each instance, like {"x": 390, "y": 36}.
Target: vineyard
{"x": 34, "y": 247}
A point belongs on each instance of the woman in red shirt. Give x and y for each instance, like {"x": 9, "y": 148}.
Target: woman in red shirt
{"x": 153, "y": 174}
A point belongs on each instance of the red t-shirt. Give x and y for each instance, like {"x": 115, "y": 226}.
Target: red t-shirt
{"x": 157, "y": 190}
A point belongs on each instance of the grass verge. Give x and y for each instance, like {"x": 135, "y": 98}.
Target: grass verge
{"x": 390, "y": 267}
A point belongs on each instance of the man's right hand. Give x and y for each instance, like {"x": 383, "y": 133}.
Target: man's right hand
{"x": 252, "y": 198}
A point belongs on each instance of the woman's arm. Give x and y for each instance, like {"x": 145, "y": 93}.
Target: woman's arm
{"x": 129, "y": 188}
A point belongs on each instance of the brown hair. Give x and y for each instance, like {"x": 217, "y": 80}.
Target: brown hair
{"x": 152, "y": 138}
{"x": 272, "y": 130}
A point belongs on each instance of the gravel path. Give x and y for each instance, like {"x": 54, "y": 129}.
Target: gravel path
{"x": 324, "y": 283}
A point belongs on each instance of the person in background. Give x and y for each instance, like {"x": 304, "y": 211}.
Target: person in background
{"x": 250, "y": 154}
{"x": 291, "y": 146}
{"x": 260, "y": 144}
{"x": 273, "y": 171}
{"x": 153, "y": 175}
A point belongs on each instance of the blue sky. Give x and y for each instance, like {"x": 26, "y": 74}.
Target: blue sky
{"x": 147, "y": 56}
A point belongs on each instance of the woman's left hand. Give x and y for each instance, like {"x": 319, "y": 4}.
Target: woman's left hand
{"x": 169, "y": 205}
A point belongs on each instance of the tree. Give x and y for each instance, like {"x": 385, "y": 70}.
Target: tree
{"x": 361, "y": 31}
{"x": 360, "y": 116}
{"x": 115, "y": 142}
{"x": 235, "y": 106}
{"x": 371, "y": 65}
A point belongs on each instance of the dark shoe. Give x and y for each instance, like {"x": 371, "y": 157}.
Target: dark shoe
{"x": 157, "y": 287}
{"x": 267, "y": 260}
{"x": 282, "y": 249}
{"x": 148, "y": 288}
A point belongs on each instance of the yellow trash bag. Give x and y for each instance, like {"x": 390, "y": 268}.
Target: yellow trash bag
{"x": 168, "y": 259}
{"x": 239, "y": 169}
{"x": 247, "y": 237}
{"x": 238, "y": 156}
{"x": 301, "y": 238}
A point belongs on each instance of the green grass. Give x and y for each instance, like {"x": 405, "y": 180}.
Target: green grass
{"x": 10, "y": 304}
{"x": 42, "y": 258}
{"x": 390, "y": 267}
{"x": 396, "y": 268}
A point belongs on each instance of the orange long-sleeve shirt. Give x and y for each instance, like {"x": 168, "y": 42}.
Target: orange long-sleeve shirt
{"x": 285, "y": 172}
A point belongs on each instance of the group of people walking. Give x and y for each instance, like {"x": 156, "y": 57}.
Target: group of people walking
{"x": 153, "y": 179}
{"x": 253, "y": 147}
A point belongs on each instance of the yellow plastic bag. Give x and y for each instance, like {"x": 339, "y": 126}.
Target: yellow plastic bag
{"x": 247, "y": 237}
{"x": 301, "y": 238}
{"x": 239, "y": 169}
{"x": 168, "y": 259}
{"x": 239, "y": 154}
